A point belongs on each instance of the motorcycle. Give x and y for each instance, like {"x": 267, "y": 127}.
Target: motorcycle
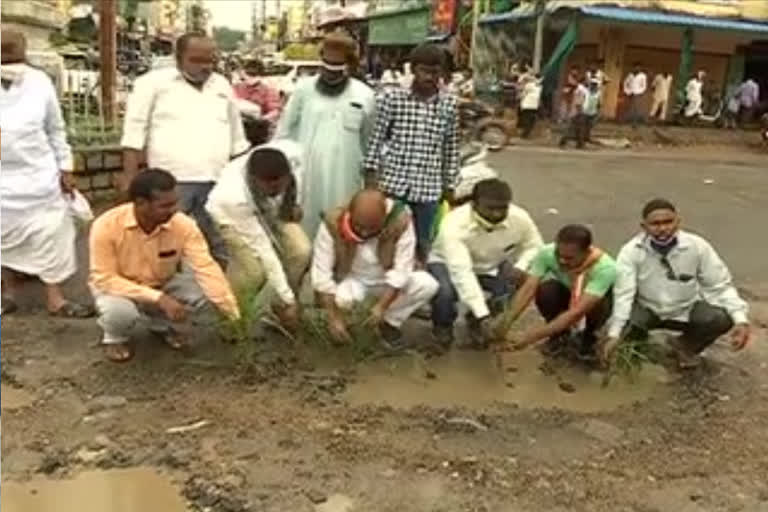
{"x": 479, "y": 123}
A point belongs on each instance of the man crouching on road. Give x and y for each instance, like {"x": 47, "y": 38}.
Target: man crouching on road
{"x": 255, "y": 204}
{"x": 571, "y": 281}
{"x": 136, "y": 251}
{"x": 482, "y": 247}
{"x": 369, "y": 247}
{"x": 672, "y": 279}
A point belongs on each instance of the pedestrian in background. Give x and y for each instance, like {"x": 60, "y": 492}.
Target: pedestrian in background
{"x": 749, "y": 97}
{"x": 660, "y": 87}
{"x": 414, "y": 151}
{"x": 635, "y": 86}
{"x": 254, "y": 89}
{"x": 592, "y": 104}
{"x": 331, "y": 117}
{"x": 577, "y": 129}
{"x": 530, "y": 101}
{"x": 186, "y": 120}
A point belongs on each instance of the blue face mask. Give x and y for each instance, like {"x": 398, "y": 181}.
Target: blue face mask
{"x": 664, "y": 246}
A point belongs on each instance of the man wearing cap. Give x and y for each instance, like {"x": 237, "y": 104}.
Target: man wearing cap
{"x": 672, "y": 279}
{"x": 330, "y": 116}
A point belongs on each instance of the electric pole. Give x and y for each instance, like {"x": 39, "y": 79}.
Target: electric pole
{"x": 108, "y": 57}
{"x": 538, "y": 45}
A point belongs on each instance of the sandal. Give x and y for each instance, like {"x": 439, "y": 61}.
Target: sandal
{"x": 172, "y": 338}
{"x": 118, "y": 352}
{"x": 9, "y": 306}
{"x": 73, "y": 310}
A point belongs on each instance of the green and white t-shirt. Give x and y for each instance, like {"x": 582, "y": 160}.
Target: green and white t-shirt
{"x": 597, "y": 281}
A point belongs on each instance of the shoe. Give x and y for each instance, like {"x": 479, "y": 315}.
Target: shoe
{"x": 443, "y": 336}
{"x": 556, "y": 344}
{"x": 391, "y": 337}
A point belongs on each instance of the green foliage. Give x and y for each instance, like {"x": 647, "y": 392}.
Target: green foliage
{"x": 228, "y": 39}
{"x": 365, "y": 339}
{"x": 630, "y": 357}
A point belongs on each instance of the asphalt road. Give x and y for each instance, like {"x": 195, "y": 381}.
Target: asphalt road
{"x": 720, "y": 196}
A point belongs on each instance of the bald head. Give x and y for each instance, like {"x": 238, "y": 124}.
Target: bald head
{"x": 14, "y": 46}
{"x": 368, "y": 211}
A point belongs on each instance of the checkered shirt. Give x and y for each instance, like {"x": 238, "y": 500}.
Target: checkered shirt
{"x": 415, "y": 145}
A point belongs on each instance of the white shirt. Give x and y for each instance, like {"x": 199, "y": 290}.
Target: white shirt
{"x": 635, "y": 84}
{"x": 531, "y": 95}
{"x": 643, "y": 277}
{"x": 469, "y": 250}
{"x": 34, "y": 144}
{"x": 189, "y": 132}
{"x": 365, "y": 265}
{"x": 231, "y": 204}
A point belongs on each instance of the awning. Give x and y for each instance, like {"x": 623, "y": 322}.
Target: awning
{"x": 399, "y": 27}
{"x": 629, "y": 15}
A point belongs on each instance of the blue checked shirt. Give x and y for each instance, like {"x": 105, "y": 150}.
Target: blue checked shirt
{"x": 415, "y": 145}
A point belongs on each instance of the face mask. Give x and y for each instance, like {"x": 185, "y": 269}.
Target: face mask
{"x": 487, "y": 224}
{"x": 12, "y": 72}
{"x": 664, "y": 246}
{"x": 197, "y": 79}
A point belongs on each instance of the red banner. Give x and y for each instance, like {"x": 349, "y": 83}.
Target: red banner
{"x": 444, "y": 16}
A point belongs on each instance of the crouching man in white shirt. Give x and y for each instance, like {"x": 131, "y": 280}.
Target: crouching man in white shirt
{"x": 484, "y": 246}
{"x": 255, "y": 205}
{"x": 369, "y": 248}
{"x": 672, "y": 279}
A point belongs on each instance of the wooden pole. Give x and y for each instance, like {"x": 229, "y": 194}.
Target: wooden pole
{"x": 108, "y": 54}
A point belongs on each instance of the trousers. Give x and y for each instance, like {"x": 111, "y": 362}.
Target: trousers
{"x": 500, "y": 287}
{"x": 118, "y": 316}
{"x": 705, "y": 324}
{"x": 553, "y": 298}
{"x": 297, "y": 252}
{"x": 192, "y": 198}
{"x": 419, "y": 289}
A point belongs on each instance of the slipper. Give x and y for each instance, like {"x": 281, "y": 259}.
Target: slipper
{"x": 73, "y": 310}
{"x": 172, "y": 338}
{"x": 118, "y": 352}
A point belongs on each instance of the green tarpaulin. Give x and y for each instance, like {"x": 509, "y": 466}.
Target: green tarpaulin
{"x": 686, "y": 63}
{"x": 407, "y": 27}
{"x": 551, "y": 70}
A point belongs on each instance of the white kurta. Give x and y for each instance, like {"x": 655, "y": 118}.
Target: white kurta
{"x": 333, "y": 130}
{"x": 38, "y": 232}
{"x": 694, "y": 97}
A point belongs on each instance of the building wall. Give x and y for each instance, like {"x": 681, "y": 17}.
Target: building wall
{"x": 656, "y": 48}
{"x": 37, "y": 19}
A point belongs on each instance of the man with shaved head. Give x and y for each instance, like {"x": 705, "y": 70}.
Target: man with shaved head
{"x": 369, "y": 248}
{"x": 331, "y": 116}
{"x": 186, "y": 120}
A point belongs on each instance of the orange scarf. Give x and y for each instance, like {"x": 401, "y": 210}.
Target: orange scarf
{"x": 578, "y": 274}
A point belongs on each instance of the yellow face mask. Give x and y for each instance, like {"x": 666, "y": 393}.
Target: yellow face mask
{"x": 485, "y": 223}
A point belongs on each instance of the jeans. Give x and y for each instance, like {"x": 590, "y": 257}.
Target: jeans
{"x": 554, "y": 298}
{"x": 423, "y": 218}
{"x": 192, "y": 198}
{"x": 705, "y": 324}
{"x": 444, "y": 304}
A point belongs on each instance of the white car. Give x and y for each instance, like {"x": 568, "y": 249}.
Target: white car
{"x": 284, "y": 75}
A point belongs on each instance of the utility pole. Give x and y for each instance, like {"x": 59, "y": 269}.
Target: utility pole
{"x": 538, "y": 45}
{"x": 108, "y": 55}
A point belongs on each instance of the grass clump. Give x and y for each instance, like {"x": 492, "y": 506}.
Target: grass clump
{"x": 630, "y": 356}
{"x": 240, "y": 332}
{"x": 365, "y": 338}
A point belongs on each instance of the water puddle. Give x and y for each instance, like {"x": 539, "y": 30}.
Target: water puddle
{"x": 14, "y": 398}
{"x": 128, "y": 490}
{"x": 468, "y": 378}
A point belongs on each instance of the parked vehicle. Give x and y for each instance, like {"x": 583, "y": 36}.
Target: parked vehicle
{"x": 478, "y": 122}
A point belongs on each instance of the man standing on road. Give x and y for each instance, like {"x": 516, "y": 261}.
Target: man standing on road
{"x": 635, "y": 86}
{"x": 571, "y": 281}
{"x": 368, "y": 248}
{"x": 482, "y": 246}
{"x": 256, "y": 206}
{"x": 749, "y": 97}
{"x": 577, "y": 128}
{"x": 330, "y": 116}
{"x": 661, "y": 87}
{"x": 414, "y": 151}
{"x": 672, "y": 279}
{"x": 136, "y": 253}
{"x": 186, "y": 120}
